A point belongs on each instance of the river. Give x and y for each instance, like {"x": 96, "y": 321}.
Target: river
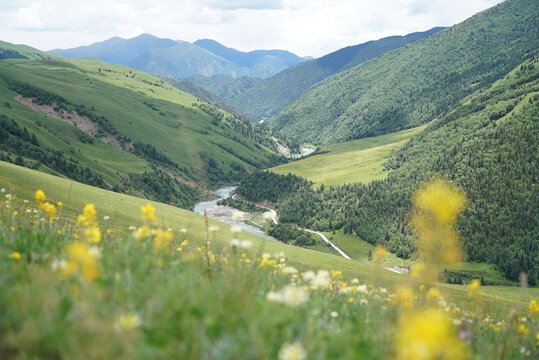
{"x": 225, "y": 213}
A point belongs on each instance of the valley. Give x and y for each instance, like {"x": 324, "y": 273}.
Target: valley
{"x": 165, "y": 199}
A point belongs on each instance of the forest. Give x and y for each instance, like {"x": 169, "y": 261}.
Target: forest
{"x": 487, "y": 146}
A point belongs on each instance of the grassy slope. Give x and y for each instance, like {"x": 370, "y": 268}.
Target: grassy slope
{"x": 413, "y": 84}
{"x": 181, "y": 134}
{"x": 28, "y": 51}
{"x": 353, "y": 161}
{"x": 124, "y": 211}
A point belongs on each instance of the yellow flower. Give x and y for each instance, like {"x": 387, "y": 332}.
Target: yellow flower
{"x": 404, "y": 297}
{"x": 142, "y": 232}
{"x": 15, "y": 255}
{"x": 59, "y": 231}
{"x": 523, "y": 330}
{"x": 60, "y": 204}
{"x": 422, "y": 287}
{"x": 15, "y": 213}
{"x": 472, "y": 287}
{"x": 88, "y": 217}
{"x": 93, "y": 234}
{"x": 224, "y": 260}
{"x": 162, "y": 239}
{"x": 128, "y": 322}
{"x": 534, "y": 308}
{"x": 40, "y": 196}
{"x": 109, "y": 231}
{"x": 148, "y": 212}
{"x": 433, "y": 294}
{"x": 427, "y": 335}
{"x": 335, "y": 273}
{"x": 264, "y": 262}
{"x": 379, "y": 253}
{"x": 537, "y": 339}
{"x": 442, "y": 199}
{"x": 49, "y": 209}
{"x": 83, "y": 258}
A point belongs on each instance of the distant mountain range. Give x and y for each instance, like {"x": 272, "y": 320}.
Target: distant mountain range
{"x": 183, "y": 59}
{"x": 266, "y": 98}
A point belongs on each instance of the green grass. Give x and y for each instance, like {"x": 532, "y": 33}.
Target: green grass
{"x": 145, "y": 302}
{"x": 124, "y": 211}
{"x": 349, "y": 162}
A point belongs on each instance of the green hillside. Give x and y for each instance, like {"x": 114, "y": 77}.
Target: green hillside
{"x": 349, "y": 162}
{"x": 139, "y": 134}
{"x": 272, "y": 95}
{"x": 413, "y": 84}
{"x": 139, "y": 290}
{"x": 487, "y": 146}
{"x": 12, "y": 51}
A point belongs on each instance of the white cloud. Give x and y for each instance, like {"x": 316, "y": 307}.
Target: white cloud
{"x": 306, "y": 27}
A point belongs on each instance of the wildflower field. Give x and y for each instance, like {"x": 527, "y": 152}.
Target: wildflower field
{"x": 90, "y": 274}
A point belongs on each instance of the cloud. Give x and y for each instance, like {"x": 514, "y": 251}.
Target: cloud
{"x": 305, "y": 27}
{"x": 244, "y": 4}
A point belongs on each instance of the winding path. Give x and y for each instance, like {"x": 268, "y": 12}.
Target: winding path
{"x": 329, "y": 242}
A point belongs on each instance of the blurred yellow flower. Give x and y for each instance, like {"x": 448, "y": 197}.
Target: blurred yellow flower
{"x": 523, "y": 330}
{"x": 379, "y": 253}
{"x": 60, "y": 204}
{"x": 49, "y": 209}
{"x": 142, "y": 232}
{"x": 83, "y": 258}
{"x": 404, "y": 297}
{"x": 472, "y": 287}
{"x": 534, "y": 308}
{"x": 128, "y": 322}
{"x": 433, "y": 294}
{"x": 442, "y": 199}
{"x": 148, "y": 212}
{"x": 162, "y": 239}
{"x": 428, "y": 335}
{"x": 15, "y": 255}
{"x": 92, "y": 234}
{"x": 40, "y": 196}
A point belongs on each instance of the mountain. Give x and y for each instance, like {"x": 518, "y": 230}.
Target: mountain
{"x": 487, "y": 146}
{"x": 265, "y": 62}
{"x": 182, "y": 59}
{"x": 118, "y": 128}
{"x": 226, "y": 87}
{"x": 415, "y": 83}
{"x": 275, "y": 93}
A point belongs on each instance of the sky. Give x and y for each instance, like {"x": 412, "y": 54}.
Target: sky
{"x": 304, "y": 27}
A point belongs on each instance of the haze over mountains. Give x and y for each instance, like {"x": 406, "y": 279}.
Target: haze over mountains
{"x": 182, "y": 59}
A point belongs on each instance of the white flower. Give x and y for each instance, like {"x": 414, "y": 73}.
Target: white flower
{"x": 293, "y": 351}
{"x": 362, "y": 289}
{"x": 363, "y": 301}
{"x": 290, "y": 270}
{"x": 274, "y": 296}
{"x": 290, "y": 295}
{"x": 183, "y": 230}
{"x": 280, "y": 255}
{"x": 8, "y": 196}
{"x": 2, "y": 190}
{"x": 355, "y": 281}
{"x": 132, "y": 228}
{"x": 234, "y": 243}
{"x": 26, "y": 201}
{"x": 321, "y": 281}
{"x": 266, "y": 256}
{"x": 94, "y": 251}
{"x": 106, "y": 217}
{"x": 382, "y": 290}
{"x": 169, "y": 229}
{"x": 237, "y": 216}
{"x": 333, "y": 314}
{"x": 213, "y": 228}
{"x": 246, "y": 244}
{"x": 235, "y": 229}
{"x": 58, "y": 264}
{"x": 308, "y": 276}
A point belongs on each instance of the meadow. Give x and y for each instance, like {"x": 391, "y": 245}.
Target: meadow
{"x": 351, "y": 161}
{"x": 157, "y": 281}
